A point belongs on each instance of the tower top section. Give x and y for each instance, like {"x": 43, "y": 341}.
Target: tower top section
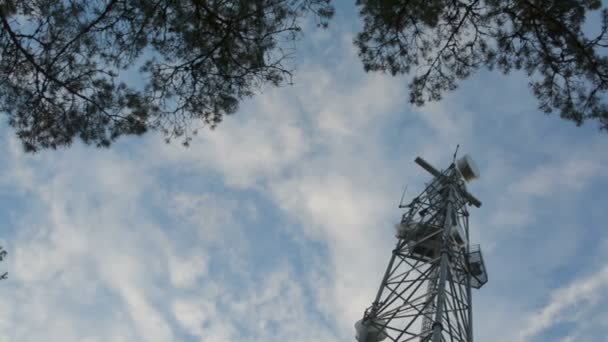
{"x": 464, "y": 166}
{"x": 426, "y": 291}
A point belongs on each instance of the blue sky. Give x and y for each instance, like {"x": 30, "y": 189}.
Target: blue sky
{"x": 277, "y": 225}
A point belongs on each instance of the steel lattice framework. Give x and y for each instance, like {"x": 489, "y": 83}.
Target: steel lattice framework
{"x": 425, "y": 294}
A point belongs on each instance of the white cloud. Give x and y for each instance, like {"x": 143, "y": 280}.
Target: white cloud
{"x": 150, "y": 324}
{"x": 576, "y": 302}
{"x": 571, "y": 174}
{"x": 193, "y": 314}
{"x": 80, "y": 243}
{"x": 184, "y": 272}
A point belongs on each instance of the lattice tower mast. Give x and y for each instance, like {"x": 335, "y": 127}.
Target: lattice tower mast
{"x": 425, "y": 294}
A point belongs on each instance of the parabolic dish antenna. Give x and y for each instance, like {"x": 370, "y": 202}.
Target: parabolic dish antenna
{"x": 467, "y": 168}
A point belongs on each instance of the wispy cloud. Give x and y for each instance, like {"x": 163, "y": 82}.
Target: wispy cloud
{"x": 576, "y": 302}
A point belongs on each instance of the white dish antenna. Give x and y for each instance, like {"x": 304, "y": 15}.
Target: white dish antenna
{"x": 467, "y": 168}
{"x": 370, "y": 332}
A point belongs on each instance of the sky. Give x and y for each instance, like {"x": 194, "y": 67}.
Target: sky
{"x": 278, "y": 225}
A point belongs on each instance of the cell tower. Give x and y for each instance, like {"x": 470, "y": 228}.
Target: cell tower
{"x": 425, "y": 294}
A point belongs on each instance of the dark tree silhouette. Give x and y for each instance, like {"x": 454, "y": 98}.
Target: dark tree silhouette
{"x": 444, "y": 41}
{"x": 67, "y": 67}
{"x": 2, "y": 256}
{"x": 100, "y": 69}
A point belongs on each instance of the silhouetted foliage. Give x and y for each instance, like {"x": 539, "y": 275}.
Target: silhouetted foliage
{"x": 100, "y": 69}
{"x": 2, "y": 256}
{"x": 65, "y": 64}
{"x": 444, "y": 41}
